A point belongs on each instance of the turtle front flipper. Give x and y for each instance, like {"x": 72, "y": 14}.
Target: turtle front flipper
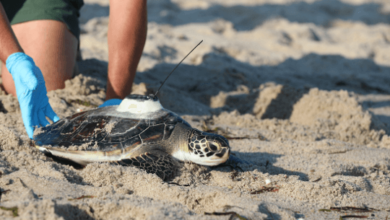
{"x": 163, "y": 165}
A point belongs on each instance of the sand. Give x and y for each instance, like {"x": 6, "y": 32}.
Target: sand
{"x": 301, "y": 89}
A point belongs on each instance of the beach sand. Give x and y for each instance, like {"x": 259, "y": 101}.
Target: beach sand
{"x": 301, "y": 89}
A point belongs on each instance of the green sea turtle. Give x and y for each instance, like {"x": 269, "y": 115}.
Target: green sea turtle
{"x": 138, "y": 132}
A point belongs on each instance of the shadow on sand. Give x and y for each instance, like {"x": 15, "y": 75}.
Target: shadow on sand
{"x": 264, "y": 163}
{"x": 197, "y": 84}
{"x": 71, "y": 212}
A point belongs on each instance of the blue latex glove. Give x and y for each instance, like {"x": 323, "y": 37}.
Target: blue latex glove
{"x": 31, "y": 92}
{"x": 111, "y": 102}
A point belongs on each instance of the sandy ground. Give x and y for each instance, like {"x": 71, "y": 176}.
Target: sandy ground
{"x": 301, "y": 89}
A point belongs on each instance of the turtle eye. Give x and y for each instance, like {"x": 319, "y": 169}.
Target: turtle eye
{"x": 213, "y": 147}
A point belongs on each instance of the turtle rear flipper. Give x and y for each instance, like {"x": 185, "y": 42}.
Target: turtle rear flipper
{"x": 163, "y": 165}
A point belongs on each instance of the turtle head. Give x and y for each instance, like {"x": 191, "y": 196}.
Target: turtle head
{"x": 207, "y": 148}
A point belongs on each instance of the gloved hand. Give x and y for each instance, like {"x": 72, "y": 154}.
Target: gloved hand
{"x": 111, "y": 102}
{"x": 31, "y": 92}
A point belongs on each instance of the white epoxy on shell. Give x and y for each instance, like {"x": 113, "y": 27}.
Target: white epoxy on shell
{"x": 139, "y": 106}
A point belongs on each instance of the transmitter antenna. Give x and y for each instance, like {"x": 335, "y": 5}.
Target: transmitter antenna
{"x": 177, "y": 66}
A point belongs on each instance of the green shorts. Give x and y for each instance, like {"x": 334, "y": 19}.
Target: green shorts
{"x": 66, "y": 11}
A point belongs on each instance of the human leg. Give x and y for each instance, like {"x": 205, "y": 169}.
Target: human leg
{"x": 53, "y": 48}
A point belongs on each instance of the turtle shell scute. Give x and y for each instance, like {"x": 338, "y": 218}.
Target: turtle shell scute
{"x": 153, "y": 134}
